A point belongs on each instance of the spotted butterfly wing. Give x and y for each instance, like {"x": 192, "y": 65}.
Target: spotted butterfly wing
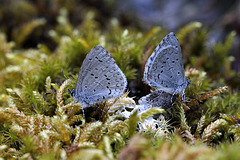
{"x": 157, "y": 98}
{"x": 164, "y": 68}
{"x": 99, "y": 79}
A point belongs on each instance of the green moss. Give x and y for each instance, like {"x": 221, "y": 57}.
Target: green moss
{"x": 38, "y": 119}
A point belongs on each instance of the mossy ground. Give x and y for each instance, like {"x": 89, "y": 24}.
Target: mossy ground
{"x": 37, "y": 125}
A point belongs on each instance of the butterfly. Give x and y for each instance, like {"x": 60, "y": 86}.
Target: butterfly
{"x": 99, "y": 79}
{"x": 164, "y": 71}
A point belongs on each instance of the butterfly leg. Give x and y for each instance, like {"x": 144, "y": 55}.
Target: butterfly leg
{"x": 173, "y": 96}
{"x": 100, "y": 108}
{"x": 81, "y": 108}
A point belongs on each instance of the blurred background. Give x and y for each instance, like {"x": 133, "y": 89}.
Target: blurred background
{"x": 220, "y": 17}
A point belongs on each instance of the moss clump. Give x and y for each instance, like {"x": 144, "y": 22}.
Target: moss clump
{"x": 37, "y": 125}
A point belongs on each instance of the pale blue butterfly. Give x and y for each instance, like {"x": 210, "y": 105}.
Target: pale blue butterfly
{"x": 99, "y": 79}
{"x": 164, "y": 71}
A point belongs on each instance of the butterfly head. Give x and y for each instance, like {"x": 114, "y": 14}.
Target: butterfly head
{"x": 188, "y": 81}
{"x": 72, "y": 92}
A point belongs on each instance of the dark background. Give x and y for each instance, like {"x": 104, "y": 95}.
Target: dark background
{"x": 220, "y": 17}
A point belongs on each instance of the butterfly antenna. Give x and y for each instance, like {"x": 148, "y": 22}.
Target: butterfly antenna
{"x": 64, "y": 74}
{"x": 49, "y": 93}
{"x": 55, "y": 92}
{"x": 66, "y": 77}
{"x": 83, "y": 112}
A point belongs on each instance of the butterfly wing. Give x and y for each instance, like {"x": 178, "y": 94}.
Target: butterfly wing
{"x": 158, "y": 98}
{"x": 100, "y": 78}
{"x": 164, "y": 68}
